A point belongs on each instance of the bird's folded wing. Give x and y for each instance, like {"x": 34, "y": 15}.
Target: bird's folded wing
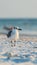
{"x": 6, "y": 28}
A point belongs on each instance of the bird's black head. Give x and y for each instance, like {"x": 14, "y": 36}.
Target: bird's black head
{"x": 17, "y": 28}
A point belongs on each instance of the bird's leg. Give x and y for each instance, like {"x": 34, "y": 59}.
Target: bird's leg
{"x": 13, "y": 43}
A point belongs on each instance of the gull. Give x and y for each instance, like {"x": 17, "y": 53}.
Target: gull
{"x": 13, "y": 33}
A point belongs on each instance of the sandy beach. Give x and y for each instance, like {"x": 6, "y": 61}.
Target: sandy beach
{"x": 23, "y": 53}
{"x": 34, "y": 39}
{"x": 23, "y": 37}
{"x": 27, "y": 37}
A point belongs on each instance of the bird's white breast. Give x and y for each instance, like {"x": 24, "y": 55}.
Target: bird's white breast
{"x": 15, "y": 34}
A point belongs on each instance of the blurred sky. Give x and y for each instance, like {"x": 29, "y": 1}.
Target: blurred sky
{"x": 18, "y": 8}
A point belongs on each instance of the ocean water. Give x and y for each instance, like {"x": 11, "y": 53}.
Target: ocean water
{"x": 27, "y": 25}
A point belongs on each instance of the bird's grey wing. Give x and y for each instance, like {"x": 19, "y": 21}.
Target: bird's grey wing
{"x": 6, "y": 28}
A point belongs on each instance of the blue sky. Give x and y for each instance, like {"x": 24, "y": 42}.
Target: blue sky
{"x": 18, "y": 8}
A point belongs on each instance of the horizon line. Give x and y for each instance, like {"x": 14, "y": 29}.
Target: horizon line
{"x": 17, "y": 18}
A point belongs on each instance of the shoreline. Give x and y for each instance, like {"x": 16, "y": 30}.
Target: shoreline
{"x": 28, "y": 37}
{"x": 23, "y": 37}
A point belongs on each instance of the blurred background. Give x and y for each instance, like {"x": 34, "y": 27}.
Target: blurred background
{"x": 28, "y": 26}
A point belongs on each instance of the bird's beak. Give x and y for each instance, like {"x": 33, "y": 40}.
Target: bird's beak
{"x": 19, "y": 29}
